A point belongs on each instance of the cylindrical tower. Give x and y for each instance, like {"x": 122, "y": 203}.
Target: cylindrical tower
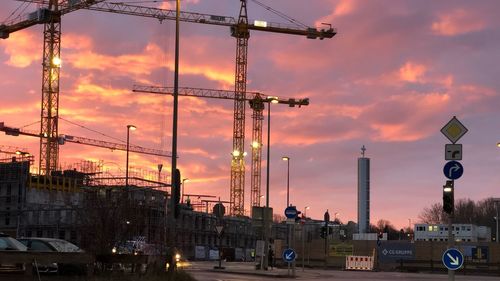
{"x": 363, "y": 192}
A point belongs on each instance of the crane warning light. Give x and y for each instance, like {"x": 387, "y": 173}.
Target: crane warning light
{"x": 260, "y": 23}
{"x": 56, "y": 61}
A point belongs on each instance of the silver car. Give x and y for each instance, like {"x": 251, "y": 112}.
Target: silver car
{"x": 39, "y": 244}
{"x": 8, "y": 243}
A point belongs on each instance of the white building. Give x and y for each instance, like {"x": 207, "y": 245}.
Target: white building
{"x": 461, "y": 232}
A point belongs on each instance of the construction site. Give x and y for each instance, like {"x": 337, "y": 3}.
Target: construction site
{"x": 87, "y": 204}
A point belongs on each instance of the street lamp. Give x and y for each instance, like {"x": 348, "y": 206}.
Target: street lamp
{"x": 183, "y": 188}
{"x": 287, "y": 159}
{"x": 305, "y": 211}
{"x": 266, "y": 222}
{"x": 129, "y": 128}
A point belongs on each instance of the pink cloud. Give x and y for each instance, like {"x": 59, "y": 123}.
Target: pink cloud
{"x": 459, "y": 21}
{"x": 412, "y": 72}
{"x": 407, "y": 120}
{"x": 21, "y": 49}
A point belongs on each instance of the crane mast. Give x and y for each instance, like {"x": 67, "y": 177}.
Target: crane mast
{"x": 237, "y": 189}
{"x": 49, "y": 147}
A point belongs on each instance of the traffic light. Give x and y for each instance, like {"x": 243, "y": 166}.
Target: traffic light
{"x": 448, "y": 197}
{"x": 298, "y": 217}
{"x": 323, "y": 232}
{"x": 176, "y": 193}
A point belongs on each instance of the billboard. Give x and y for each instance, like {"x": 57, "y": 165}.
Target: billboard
{"x": 392, "y": 251}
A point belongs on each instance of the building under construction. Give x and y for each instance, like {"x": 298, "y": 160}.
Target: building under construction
{"x": 97, "y": 211}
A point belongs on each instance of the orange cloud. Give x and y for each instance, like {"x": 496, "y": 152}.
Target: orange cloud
{"x": 412, "y": 72}
{"x": 76, "y": 42}
{"x": 137, "y": 64}
{"x": 21, "y": 49}
{"x": 457, "y": 22}
{"x": 145, "y": 63}
{"x": 344, "y": 7}
{"x": 171, "y": 5}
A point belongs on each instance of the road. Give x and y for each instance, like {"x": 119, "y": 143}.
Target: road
{"x": 339, "y": 275}
{"x": 238, "y": 272}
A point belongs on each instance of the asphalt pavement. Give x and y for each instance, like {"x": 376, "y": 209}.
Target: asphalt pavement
{"x": 205, "y": 270}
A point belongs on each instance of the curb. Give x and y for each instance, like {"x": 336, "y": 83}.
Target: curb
{"x": 256, "y": 273}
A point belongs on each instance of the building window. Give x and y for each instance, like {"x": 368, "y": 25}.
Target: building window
{"x": 7, "y": 221}
{"x": 39, "y": 233}
{"x": 62, "y": 234}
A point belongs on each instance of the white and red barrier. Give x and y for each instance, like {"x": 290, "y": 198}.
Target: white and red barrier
{"x": 359, "y": 262}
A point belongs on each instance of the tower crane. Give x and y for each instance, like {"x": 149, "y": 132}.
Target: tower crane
{"x": 256, "y": 101}
{"x": 62, "y": 139}
{"x": 240, "y": 29}
{"x": 50, "y": 17}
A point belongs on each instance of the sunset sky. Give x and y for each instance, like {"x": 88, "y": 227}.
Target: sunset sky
{"x": 393, "y": 76}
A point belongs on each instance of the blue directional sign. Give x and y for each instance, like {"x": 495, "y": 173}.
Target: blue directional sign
{"x": 453, "y": 170}
{"x": 453, "y": 259}
{"x": 289, "y": 255}
{"x": 291, "y": 212}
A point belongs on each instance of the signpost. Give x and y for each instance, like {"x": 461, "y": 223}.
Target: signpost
{"x": 453, "y": 130}
{"x": 453, "y": 170}
{"x": 289, "y": 255}
{"x": 291, "y": 214}
{"x": 453, "y": 152}
{"x": 453, "y": 259}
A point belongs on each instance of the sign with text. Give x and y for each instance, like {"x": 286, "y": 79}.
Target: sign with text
{"x": 391, "y": 251}
{"x": 341, "y": 250}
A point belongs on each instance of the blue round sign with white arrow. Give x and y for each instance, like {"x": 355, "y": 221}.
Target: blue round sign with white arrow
{"x": 453, "y": 170}
{"x": 291, "y": 212}
{"x": 289, "y": 255}
{"x": 453, "y": 259}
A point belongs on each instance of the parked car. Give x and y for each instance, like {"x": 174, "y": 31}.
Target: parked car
{"x": 8, "y": 243}
{"x": 39, "y": 244}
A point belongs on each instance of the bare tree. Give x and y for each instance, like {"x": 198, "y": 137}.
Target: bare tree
{"x": 432, "y": 215}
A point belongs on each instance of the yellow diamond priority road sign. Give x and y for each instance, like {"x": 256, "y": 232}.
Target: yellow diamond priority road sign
{"x": 454, "y": 130}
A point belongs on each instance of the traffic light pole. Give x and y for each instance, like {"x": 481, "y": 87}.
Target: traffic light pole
{"x": 449, "y": 208}
{"x": 451, "y": 242}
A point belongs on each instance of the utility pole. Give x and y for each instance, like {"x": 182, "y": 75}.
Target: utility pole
{"x": 327, "y": 220}
{"x": 172, "y": 231}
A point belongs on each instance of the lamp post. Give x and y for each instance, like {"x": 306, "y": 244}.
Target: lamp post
{"x": 287, "y": 159}
{"x": 266, "y": 222}
{"x": 129, "y": 128}
{"x": 305, "y": 211}
{"x": 304, "y": 236}
{"x": 183, "y": 188}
